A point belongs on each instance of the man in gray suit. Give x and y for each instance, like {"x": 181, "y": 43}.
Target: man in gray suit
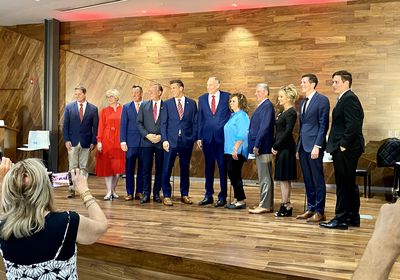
{"x": 148, "y": 122}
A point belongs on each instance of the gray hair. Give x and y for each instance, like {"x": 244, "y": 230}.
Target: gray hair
{"x": 263, "y": 86}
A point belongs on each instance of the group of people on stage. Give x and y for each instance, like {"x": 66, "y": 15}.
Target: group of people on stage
{"x": 131, "y": 136}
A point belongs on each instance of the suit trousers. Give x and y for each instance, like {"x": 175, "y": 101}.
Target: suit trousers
{"x": 185, "y": 155}
{"x": 147, "y": 154}
{"x": 214, "y": 151}
{"x": 265, "y": 180}
{"x": 132, "y": 156}
{"x": 314, "y": 180}
{"x": 347, "y": 193}
{"x": 234, "y": 168}
{"x": 78, "y": 158}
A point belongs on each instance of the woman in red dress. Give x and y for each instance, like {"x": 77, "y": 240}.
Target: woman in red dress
{"x": 110, "y": 160}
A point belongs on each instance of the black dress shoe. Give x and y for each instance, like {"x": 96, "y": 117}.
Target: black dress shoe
{"x": 220, "y": 203}
{"x": 334, "y": 224}
{"x": 145, "y": 199}
{"x": 206, "y": 201}
{"x": 234, "y": 206}
{"x": 157, "y": 198}
{"x": 354, "y": 220}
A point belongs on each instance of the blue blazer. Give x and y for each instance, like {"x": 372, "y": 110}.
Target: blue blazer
{"x": 261, "y": 130}
{"x": 74, "y": 130}
{"x": 314, "y": 123}
{"x": 146, "y": 125}
{"x": 212, "y": 126}
{"x": 171, "y": 124}
{"x": 129, "y": 130}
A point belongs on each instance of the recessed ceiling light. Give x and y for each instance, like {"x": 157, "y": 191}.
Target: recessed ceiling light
{"x": 37, "y": 0}
{"x": 234, "y": 5}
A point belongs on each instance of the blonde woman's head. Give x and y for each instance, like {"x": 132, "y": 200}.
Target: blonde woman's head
{"x": 26, "y": 196}
{"x": 287, "y": 95}
{"x": 113, "y": 93}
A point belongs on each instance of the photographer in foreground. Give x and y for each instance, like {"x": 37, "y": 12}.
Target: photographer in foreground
{"x": 35, "y": 239}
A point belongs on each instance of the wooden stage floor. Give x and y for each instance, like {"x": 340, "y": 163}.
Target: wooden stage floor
{"x": 193, "y": 242}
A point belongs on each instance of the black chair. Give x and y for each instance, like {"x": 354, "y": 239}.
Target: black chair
{"x": 396, "y": 181}
{"x": 366, "y": 173}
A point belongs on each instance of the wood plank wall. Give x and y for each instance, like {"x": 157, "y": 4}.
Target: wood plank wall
{"x": 21, "y": 83}
{"x": 276, "y": 45}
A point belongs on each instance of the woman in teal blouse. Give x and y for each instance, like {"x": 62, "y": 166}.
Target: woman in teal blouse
{"x": 236, "y": 147}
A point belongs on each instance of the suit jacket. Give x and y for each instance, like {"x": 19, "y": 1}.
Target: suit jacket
{"x": 261, "y": 131}
{"x": 171, "y": 124}
{"x": 347, "y": 122}
{"x": 74, "y": 130}
{"x": 314, "y": 123}
{"x": 129, "y": 129}
{"x": 212, "y": 126}
{"x": 146, "y": 125}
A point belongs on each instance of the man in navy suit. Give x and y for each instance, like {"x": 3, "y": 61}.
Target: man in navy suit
{"x": 79, "y": 129}
{"x": 130, "y": 144}
{"x": 148, "y": 122}
{"x": 345, "y": 144}
{"x": 178, "y": 134}
{"x": 213, "y": 113}
{"x": 261, "y": 140}
{"x": 314, "y": 123}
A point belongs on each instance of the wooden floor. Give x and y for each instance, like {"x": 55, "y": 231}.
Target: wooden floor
{"x": 153, "y": 241}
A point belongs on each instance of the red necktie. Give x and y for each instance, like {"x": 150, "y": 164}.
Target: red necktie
{"x": 81, "y": 111}
{"x": 213, "y": 104}
{"x": 155, "y": 112}
{"x": 180, "y": 109}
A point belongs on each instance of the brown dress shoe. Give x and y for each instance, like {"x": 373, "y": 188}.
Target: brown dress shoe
{"x": 260, "y": 210}
{"x": 306, "y": 215}
{"x": 128, "y": 197}
{"x": 186, "y": 200}
{"x": 167, "y": 201}
{"x": 139, "y": 196}
{"x": 316, "y": 218}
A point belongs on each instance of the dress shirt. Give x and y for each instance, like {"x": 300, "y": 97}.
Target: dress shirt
{"x": 84, "y": 106}
{"x": 158, "y": 107}
{"x": 182, "y": 103}
{"x": 217, "y": 95}
{"x": 309, "y": 100}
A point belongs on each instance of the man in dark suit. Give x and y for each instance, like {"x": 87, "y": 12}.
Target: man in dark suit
{"x": 130, "y": 143}
{"x": 261, "y": 139}
{"x": 148, "y": 122}
{"x": 213, "y": 113}
{"x": 178, "y": 134}
{"x": 79, "y": 129}
{"x": 314, "y": 123}
{"x": 346, "y": 144}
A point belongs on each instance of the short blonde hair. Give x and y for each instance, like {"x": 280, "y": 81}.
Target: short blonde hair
{"x": 27, "y": 194}
{"x": 290, "y": 92}
{"x": 113, "y": 92}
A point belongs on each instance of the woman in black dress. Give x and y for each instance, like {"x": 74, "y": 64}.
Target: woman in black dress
{"x": 285, "y": 148}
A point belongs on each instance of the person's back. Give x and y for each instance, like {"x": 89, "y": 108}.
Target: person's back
{"x": 35, "y": 240}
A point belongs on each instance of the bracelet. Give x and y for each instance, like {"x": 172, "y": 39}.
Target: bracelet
{"x": 85, "y": 193}
{"x": 87, "y": 198}
{"x": 90, "y": 202}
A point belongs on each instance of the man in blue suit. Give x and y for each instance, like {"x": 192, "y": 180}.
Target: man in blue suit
{"x": 213, "y": 113}
{"x": 314, "y": 123}
{"x": 261, "y": 140}
{"x": 148, "y": 122}
{"x": 130, "y": 144}
{"x": 178, "y": 134}
{"x": 79, "y": 129}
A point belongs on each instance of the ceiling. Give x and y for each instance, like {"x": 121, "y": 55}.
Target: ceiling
{"x": 14, "y": 12}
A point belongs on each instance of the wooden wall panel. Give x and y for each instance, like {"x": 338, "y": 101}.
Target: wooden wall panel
{"x": 21, "y": 83}
{"x": 274, "y": 44}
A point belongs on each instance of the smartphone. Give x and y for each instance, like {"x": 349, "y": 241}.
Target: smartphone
{"x": 60, "y": 179}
